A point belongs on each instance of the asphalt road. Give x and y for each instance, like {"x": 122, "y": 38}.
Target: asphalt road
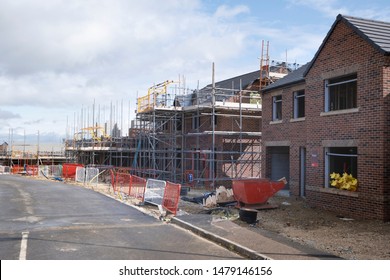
{"x": 47, "y": 220}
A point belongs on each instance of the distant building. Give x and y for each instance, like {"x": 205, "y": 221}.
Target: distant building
{"x": 3, "y": 148}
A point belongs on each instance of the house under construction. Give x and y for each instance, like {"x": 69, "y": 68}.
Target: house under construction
{"x": 204, "y": 137}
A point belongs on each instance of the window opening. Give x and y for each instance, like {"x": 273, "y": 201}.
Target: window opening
{"x": 341, "y": 93}
{"x": 340, "y": 160}
{"x": 299, "y": 104}
{"x": 277, "y": 108}
{"x": 195, "y": 122}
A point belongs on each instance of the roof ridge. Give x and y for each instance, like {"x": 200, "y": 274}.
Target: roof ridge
{"x": 377, "y": 36}
{"x": 362, "y": 28}
{"x": 364, "y": 19}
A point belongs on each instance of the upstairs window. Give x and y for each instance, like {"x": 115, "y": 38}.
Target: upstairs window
{"x": 195, "y": 121}
{"x": 179, "y": 124}
{"x": 165, "y": 126}
{"x": 277, "y": 108}
{"x": 341, "y": 93}
{"x": 299, "y": 104}
{"x": 213, "y": 118}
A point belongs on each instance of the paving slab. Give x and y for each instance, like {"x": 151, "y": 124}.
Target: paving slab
{"x": 252, "y": 244}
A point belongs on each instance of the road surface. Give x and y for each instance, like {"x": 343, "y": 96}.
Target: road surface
{"x": 56, "y": 221}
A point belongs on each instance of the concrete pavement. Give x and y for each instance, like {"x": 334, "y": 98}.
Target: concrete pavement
{"x": 253, "y": 244}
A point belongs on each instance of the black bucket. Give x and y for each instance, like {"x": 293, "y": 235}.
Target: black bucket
{"x": 248, "y": 216}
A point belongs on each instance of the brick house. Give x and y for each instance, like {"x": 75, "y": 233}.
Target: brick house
{"x": 333, "y": 115}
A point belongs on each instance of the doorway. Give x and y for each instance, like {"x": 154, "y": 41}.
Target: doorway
{"x": 280, "y": 164}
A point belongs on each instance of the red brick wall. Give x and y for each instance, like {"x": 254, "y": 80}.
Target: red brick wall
{"x": 386, "y": 177}
{"x": 288, "y": 129}
{"x": 344, "y": 52}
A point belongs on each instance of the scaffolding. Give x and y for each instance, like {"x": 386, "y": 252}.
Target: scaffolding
{"x": 203, "y": 137}
{"x": 113, "y": 151}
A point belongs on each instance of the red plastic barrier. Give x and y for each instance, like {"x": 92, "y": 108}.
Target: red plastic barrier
{"x": 113, "y": 179}
{"x": 137, "y": 187}
{"x": 122, "y": 182}
{"x": 171, "y": 197}
{"x": 32, "y": 170}
{"x": 69, "y": 170}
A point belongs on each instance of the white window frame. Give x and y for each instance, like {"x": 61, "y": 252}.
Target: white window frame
{"x": 327, "y": 161}
{"x": 327, "y": 92}
{"x": 274, "y": 107}
{"x": 298, "y": 94}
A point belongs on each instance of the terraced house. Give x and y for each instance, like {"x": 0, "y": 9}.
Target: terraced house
{"x": 332, "y": 116}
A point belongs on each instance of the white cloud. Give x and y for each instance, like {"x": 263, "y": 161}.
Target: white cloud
{"x": 58, "y": 55}
{"x": 378, "y": 10}
{"x": 329, "y": 8}
{"x": 46, "y": 89}
{"x": 67, "y": 51}
{"x": 225, "y": 11}
{"x": 6, "y": 115}
{"x": 51, "y": 35}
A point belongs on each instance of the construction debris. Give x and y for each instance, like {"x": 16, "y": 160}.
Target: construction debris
{"x": 222, "y": 196}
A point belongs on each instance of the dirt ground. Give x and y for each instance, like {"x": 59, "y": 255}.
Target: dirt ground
{"x": 326, "y": 231}
{"x": 348, "y": 238}
{"x": 293, "y": 218}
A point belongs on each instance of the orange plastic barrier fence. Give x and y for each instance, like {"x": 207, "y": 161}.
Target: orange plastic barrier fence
{"x": 17, "y": 169}
{"x": 137, "y": 187}
{"x": 171, "y": 197}
{"x": 69, "y": 170}
{"x": 122, "y": 183}
{"x": 113, "y": 179}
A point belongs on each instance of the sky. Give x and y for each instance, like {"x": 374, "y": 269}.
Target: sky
{"x": 63, "y": 62}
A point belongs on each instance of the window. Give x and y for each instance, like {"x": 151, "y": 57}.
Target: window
{"x": 213, "y": 117}
{"x": 195, "y": 122}
{"x": 165, "y": 126}
{"x": 196, "y": 159}
{"x": 341, "y": 93}
{"x": 277, "y": 108}
{"x": 340, "y": 160}
{"x": 178, "y": 158}
{"x": 179, "y": 124}
{"x": 299, "y": 104}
